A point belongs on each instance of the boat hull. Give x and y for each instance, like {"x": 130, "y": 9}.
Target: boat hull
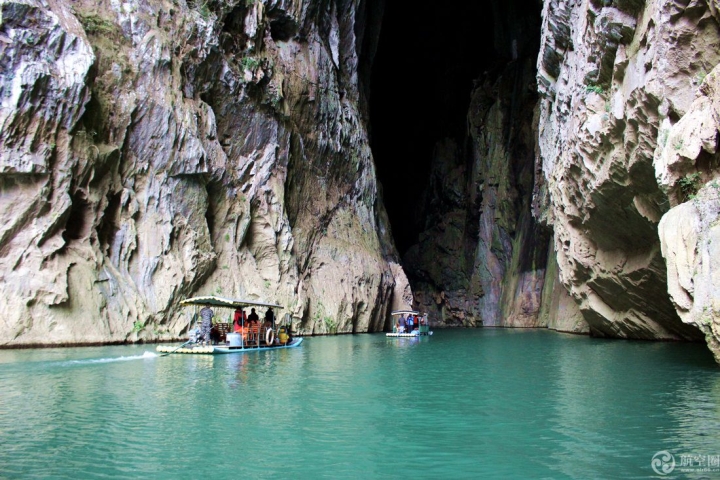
{"x": 222, "y": 349}
{"x": 412, "y": 334}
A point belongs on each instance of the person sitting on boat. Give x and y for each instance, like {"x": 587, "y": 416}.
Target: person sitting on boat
{"x": 238, "y": 321}
{"x": 251, "y": 327}
{"x": 401, "y": 324}
{"x": 269, "y": 318}
{"x": 194, "y": 335}
{"x": 410, "y": 322}
{"x": 206, "y": 325}
{"x": 237, "y": 316}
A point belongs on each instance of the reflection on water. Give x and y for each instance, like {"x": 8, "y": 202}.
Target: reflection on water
{"x": 462, "y": 403}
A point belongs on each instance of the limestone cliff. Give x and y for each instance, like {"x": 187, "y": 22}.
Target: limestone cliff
{"x": 159, "y": 149}
{"x": 620, "y": 140}
{"x": 688, "y": 169}
{"x": 614, "y": 78}
{"x": 483, "y": 257}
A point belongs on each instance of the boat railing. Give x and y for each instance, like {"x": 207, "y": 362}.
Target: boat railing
{"x": 222, "y": 330}
{"x": 253, "y": 335}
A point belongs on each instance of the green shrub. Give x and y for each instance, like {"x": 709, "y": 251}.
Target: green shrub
{"x": 689, "y": 185}
{"x": 202, "y": 7}
{"x": 330, "y": 325}
{"x": 95, "y": 25}
{"x": 249, "y": 63}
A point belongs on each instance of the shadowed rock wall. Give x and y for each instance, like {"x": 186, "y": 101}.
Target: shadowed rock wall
{"x": 154, "y": 150}
{"x": 482, "y": 256}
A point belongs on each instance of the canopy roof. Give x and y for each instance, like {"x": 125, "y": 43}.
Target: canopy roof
{"x": 404, "y": 312}
{"x": 225, "y": 302}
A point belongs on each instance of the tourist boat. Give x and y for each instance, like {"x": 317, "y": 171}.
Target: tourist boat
{"x": 420, "y": 326}
{"x": 265, "y": 334}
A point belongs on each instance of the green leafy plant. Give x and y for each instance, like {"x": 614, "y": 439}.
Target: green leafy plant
{"x": 95, "y": 25}
{"x": 202, "y": 7}
{"x": 595, "y": 89}
{"x": 330, "y": 325}
{"x": 137, "y": 326}
{"x": 205, "y": 11}
{"x": 678, "y": 144}
{"x": 689, "y": 185}
{"x": 249, "y": 63}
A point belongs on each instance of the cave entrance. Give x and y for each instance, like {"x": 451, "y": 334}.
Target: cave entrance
{"x": 427, "y": 59}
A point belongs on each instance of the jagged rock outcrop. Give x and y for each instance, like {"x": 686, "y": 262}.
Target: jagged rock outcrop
{"x": 155, "y": 150}
{"x": 613, "y": 78}
{"x": 688, "y": 169}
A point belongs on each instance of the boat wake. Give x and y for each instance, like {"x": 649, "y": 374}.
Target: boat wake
{"x": 111, "y": 359}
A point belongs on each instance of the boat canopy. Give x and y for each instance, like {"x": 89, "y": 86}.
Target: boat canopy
{"x": 404, "y": 312}
{"x": 226, "y": 302}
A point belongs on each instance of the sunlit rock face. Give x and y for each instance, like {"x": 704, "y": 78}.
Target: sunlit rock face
{"x": 614, "y": 79}
{"x": 688, "y": 169}
{"x": 155, "y": 150}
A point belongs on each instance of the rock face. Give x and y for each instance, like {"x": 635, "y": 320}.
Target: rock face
{"x": 688, "y": 170}
{"x": 613, "y": 81}
{"x": 483, "y": 256}
{"x": 155, "y": 150}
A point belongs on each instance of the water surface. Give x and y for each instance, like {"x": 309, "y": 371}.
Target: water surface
{"x": 460, "y": 404}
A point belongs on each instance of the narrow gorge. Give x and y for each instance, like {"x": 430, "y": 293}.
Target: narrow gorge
{"x": 513, "y": 164}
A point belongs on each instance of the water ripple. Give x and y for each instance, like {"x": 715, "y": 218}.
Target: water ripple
{"x": 462, "y": 404}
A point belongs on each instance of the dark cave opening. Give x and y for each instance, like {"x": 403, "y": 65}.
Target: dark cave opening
{"x": 428, "y": 57}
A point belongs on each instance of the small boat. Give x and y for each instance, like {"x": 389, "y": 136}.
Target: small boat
{"x": 239, "y": 334}
{"x": 420, "y": 324}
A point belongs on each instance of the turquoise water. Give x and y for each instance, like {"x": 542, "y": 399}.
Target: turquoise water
{"x": 461, "y": 404}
